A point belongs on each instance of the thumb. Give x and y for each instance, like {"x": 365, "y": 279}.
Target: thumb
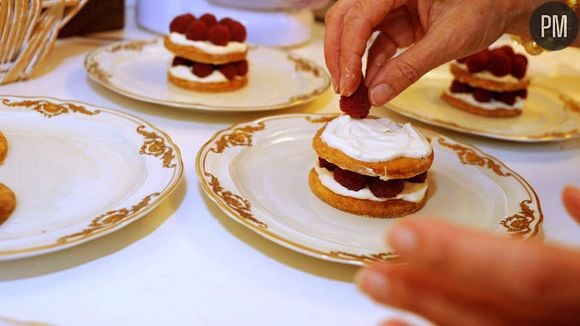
{"x": 571, "y": 199}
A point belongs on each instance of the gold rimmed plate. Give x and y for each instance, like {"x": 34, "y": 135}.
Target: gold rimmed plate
{"x": 79, "y": 172}
{"x": 548, "y": 114}
{"x": 138, "y": 69}
{"x": 257, "y": 173}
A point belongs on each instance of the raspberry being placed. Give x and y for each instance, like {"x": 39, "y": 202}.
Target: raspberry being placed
{"x": 325, "y": 164}
{"x": 386, "y": 189}
{"x": 459, "y": 87}
{"x": 197, "y": 31}
{"x": 180, "y": 23}
{"x": 242, "y": 67}
{"x": 462, "y": 60}
{"x": 219, "y": 35}
{"x": 229, "y": 70}
{"x": 202, "y": 69}
{"x": 208, "y": 19}
{"x": 508, "y": 50}
{"x": 500, "y": 63}
{"x": 519, "y": 66}
{"x": 481, "y": 95}
{"x": 420, "y": 178}
{"x": 237, "y": 31}
{"x": 350, "y": 180}
{"x": 179, "y": 61}
{"x": 478, "y": 61}
{"x": 357, "y": 105}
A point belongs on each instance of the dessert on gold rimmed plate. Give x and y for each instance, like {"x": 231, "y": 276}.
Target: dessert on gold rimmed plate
{"x": 138, "y": 69}
{"x": 257, "y": 173}
{"x": 79, "y": 172}
{"x": 548, "y": 115}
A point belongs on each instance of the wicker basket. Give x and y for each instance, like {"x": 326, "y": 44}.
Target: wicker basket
{"x": 28, "y": 30}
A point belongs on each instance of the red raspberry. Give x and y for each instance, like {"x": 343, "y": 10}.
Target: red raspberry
{"x": 242, "y": 67}
{"x": 325, "y": 164}
{"x": 350, "y": 180}
{"x": 481, "y": 95}
{"x": 229, "y": 70}
{"x": 357, "y": 105}
{"x": 237, "y": 31}
{"x": 478, "y": 61}
{"x": 508, "y": 50}
{"x": 179, "y": 24}
{"x": 420, "y": 178}
{"x": 179, "y": 61}
{"x": 197, "y": 31}
{"x": 226, "y": 21}
{"x": 459, "y": 87}
{"x": 519, "y": 66}
{"x": 202, "y": 69}
{"x": 499, "y": 63}
{"x": 386, "y": 189}
{"x": 508, "y": 98}
{"x": 208, "y": 19}
{"x": 523, "y": 93}
{"x": 219, "y": 35}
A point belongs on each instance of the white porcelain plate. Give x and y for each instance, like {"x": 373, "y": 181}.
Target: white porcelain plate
{"x": 138, "y": 69}
{"x": 257, "y": 172}
{"x": 78, "y": 172}
{"x": 548, "y": 115}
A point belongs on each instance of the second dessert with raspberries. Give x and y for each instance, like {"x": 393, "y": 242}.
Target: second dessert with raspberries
{"x": 210, "y": 55}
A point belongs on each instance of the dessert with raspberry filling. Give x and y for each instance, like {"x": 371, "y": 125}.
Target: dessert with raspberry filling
{"x": 489, "y": 83}
{"x": 210, "y": 55}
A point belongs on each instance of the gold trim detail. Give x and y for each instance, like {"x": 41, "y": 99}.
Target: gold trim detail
{"x": 50, "y": 109}
{"x": 302, "y": 65}
{"x": 370, "y": 258}
{"x": 155, "y": 145}
{"x": 570, "y": 104}
{"x": 322, "y": 119}
{"x": 108, "y": 220}
{"x": 241, "y": 136}
{"x": 469, "y": 156}
{"x": 237, "y": 203}
{"x": 131, "y": 46}
{"x": 518, "y": 224}
{"x": 95, "y": 69}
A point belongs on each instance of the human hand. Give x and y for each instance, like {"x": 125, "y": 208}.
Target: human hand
{"x": 456, "y": 276}
{"x": 438, "y": 30}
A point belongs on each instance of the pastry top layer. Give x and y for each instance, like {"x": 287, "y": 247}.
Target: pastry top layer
{"x": 375, "y": 140}
{"x": 3, "y": 148}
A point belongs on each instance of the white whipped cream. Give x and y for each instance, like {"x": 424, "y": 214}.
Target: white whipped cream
{"x": 184, "y": 72}
{"x": 488, "y": 75}
{"x": 412, "y": 192}
{"x": 375, "y": 140}
{"x": 491, "y": 105}
{"x": 208, "y": 47}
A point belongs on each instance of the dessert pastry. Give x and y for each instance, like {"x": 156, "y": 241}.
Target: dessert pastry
{"x": 210, "y": 56}
{"x": 7, "y": 203}
{"x": 489, "y": 83}
{"x": 370, "y": 166}
{"x": 3, "y": 148}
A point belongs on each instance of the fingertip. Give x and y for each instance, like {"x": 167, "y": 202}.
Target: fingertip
{"x": 571, "y": 199}
{"x": 372, "y": 282}
{"x": 403, "y": 237}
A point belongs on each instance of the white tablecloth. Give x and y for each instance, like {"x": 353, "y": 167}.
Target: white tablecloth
{"x": 187, "y": 263}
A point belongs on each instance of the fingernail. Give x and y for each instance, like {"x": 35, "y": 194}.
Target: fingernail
{"x": 372, "y": 283}
{"x": 403, "y": 239}
{"x": 335, "y": 84}
{"x": 380, "y": 94}
{"x": 343, "y": 83}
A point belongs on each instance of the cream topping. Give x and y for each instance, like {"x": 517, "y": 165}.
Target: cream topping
{"x": 375, "y": 140}
{"x": 208, "y": 47}
{"x": 491, "y": 105}
{"x": 184, "y": 72}
{"x": 488, "y": 75}
{"x": 412, "y": 192}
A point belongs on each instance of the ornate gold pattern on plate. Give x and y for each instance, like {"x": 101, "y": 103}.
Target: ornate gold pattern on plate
{"x": 235, "y": 202}
{"x": 570, "y": 104}
{"x": 323, "y": 119}
{"x": 304, "y": 65}
{"x": 155, "y": 145}
{"x": 95, "y": 69}
{"x": 241, "y": 136}
{"x": 370, "y": 258}
{"x": 469, "y": 156}
{"x": 108, "y": 220}
{"x": 50, "y": 109}
{"x": 131, "y": 45}
{"x": 518, "y": 224}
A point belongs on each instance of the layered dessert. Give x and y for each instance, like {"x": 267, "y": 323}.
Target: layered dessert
{"x": 370, "y": 166}
{"x": 7, "y": 197}
{"x": 489, "y": 83}
{"x": 210, "y": 55}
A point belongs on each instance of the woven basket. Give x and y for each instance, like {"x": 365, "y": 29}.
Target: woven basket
{"x": 28, "y": 30}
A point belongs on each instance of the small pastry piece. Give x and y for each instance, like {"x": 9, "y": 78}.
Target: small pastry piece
{"x": 204, "y": 77}
{"x": 7, "y": 203}
{"x": 3, "y": 148}
{"x": 371, "y": 167}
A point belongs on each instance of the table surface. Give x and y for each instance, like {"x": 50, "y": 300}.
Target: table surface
{"x": 187, "y": 263}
